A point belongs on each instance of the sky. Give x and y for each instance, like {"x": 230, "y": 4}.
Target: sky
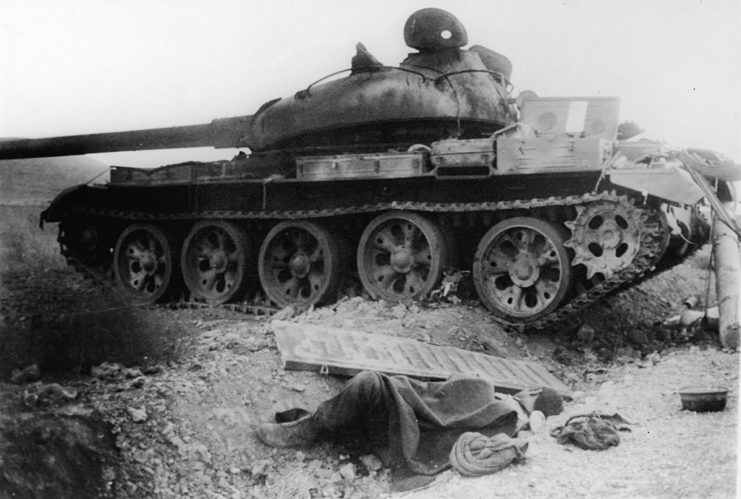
{"x": 84, "y": 66}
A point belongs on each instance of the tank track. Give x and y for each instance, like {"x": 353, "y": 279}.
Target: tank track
{"x": 652, "y": 246}
{"x": 102, "y": 277}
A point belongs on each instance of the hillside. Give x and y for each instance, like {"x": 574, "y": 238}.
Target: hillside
{"x": 39, "y": 180}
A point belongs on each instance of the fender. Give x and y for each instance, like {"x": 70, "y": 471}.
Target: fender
{"x": 670, "y": 184}
{"x": 68, "y": 197}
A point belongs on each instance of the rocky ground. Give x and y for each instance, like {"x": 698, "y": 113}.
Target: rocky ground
{"x": 164, "y": 403}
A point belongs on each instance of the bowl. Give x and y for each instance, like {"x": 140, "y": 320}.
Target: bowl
{"x": 703, "y": 398}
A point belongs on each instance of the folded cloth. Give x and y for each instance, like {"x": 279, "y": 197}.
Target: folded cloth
{"x": 591, "y": 431}
{"x": 475, "y": 454}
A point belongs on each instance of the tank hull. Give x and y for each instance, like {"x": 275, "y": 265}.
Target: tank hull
{"x": 287, "y": 197}
{"x": 458, "y": 214}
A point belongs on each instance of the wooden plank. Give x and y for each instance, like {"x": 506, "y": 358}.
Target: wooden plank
{"x": 348, "y": 352}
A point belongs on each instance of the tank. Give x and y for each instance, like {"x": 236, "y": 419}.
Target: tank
{"x": 386, "y": 180}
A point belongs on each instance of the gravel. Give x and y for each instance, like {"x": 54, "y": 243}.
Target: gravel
{"x": 669, "y": 452}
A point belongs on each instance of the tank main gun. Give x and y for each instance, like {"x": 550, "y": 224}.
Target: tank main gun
{"x": 220, "y": 133}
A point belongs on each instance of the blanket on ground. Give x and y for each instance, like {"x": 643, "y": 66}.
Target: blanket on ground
{"x": 426, "y": 418}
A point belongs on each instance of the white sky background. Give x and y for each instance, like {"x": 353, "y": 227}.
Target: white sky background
{"x": 83, "y": 66}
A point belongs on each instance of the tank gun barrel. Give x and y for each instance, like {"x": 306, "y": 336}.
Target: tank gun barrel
{"x": 220, "y": 133}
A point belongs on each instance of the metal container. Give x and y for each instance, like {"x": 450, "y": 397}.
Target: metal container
{"x": 703, "y": 398}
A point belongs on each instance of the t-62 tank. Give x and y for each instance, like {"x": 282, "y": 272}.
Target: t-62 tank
{"x": 391, "y": 177}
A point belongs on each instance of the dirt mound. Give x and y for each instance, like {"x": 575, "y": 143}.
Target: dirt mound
{"x": 45, "y": 454}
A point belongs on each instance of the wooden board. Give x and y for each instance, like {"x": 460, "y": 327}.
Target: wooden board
{"x": 347, "y": 352}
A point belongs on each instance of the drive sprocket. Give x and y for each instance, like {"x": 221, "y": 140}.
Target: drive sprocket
{"x": 605, "y": 236}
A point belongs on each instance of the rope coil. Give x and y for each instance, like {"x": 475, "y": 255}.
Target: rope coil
{"x": 475, "y": 454}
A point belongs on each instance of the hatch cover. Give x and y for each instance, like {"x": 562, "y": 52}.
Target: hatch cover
{"x": 340, "y": 351}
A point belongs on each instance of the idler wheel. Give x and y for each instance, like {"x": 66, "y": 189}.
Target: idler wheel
{"x": 86, "y": 240}
{"x": 299, "y": 264}
{"x": 144, "y": 264}
{"x": 214, "y": 261}
{"x": 401, "y": 256}
{"x": 521, "y": 269}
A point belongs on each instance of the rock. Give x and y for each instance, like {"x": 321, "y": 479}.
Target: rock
{"x": 106, "y": 370}
{"x": 409, "y": 322}
{"x": 371, "y": 462}
{"x": 200, "y": 451}
{"x": 637, "y": 336}
{"x": 399, "y": 311}
{"x": 260, "y": 468}
{"x": 131, "y": 373}
{"x": 314, "y": 465}
{"x": 253, "y": 345}
{"x": 284, "y": 314}
{"x": 130, "y": 488}
{"x": 75, "y": 411}
{"x": 149, "y": 370}
{"x": 137, "y": 415}
{"x": 585, "y": 333}
{"x": 560, "y": 354}
{"x": 137, "y": 382}
{"x": 654, "y": 358}
{"x": 51, "y": 394}
{"x": 493, "y": 348}
{"x": 347, "y": 471}
{"x": 28, "y": 373}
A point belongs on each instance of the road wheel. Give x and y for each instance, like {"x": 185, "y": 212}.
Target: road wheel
{"x": 401, "y": 256}
{"x": 300, "y": 264}
{"x": 144, "y": 264}
{"x": 521, "y": 269}
{"x": 214, "y": 261}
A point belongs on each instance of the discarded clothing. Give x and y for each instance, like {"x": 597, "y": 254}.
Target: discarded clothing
{"x": 591, "y": 431}
{"x": 475, "y": 454}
